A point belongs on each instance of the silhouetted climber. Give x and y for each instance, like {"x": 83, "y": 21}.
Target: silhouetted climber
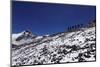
{"x": 75, "y": 27}
{"x": 72, "y": 27}
{"x": 68, "y": 28}
{"x": 81, "y": 25}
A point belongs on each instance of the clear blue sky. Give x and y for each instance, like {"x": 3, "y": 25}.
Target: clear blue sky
{"x": 45, "y": 18}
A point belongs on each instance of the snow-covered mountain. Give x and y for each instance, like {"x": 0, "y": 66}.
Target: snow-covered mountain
{"x": 64, "y": 47}
{"x": 22, "y": 38}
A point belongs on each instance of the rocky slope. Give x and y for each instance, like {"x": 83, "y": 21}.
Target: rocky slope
{"x": 64, "y": 47}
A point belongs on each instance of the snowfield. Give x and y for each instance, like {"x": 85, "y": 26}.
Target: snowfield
{"x": 65, "y": 47}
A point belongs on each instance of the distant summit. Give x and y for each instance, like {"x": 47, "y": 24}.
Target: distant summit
{"x": 23, "y": 37}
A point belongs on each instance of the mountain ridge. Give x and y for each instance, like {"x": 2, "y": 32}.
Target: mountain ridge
{"x": 76, "y": 46}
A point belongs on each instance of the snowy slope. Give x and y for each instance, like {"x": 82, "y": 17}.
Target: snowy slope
{"x": 77, "y": 46}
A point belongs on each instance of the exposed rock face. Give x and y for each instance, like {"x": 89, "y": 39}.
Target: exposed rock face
{"x": 77, "y": 46}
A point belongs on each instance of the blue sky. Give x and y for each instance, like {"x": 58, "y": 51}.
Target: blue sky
{"x": 45, "y": 18}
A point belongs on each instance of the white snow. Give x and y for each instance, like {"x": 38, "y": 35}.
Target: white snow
{"x": 39, "y": 37}
{"x": 78, "y": 46}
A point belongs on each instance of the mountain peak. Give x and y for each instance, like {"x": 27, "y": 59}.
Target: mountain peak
{"x": 24, "y": 35}
{"x": 27, "y": 33}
